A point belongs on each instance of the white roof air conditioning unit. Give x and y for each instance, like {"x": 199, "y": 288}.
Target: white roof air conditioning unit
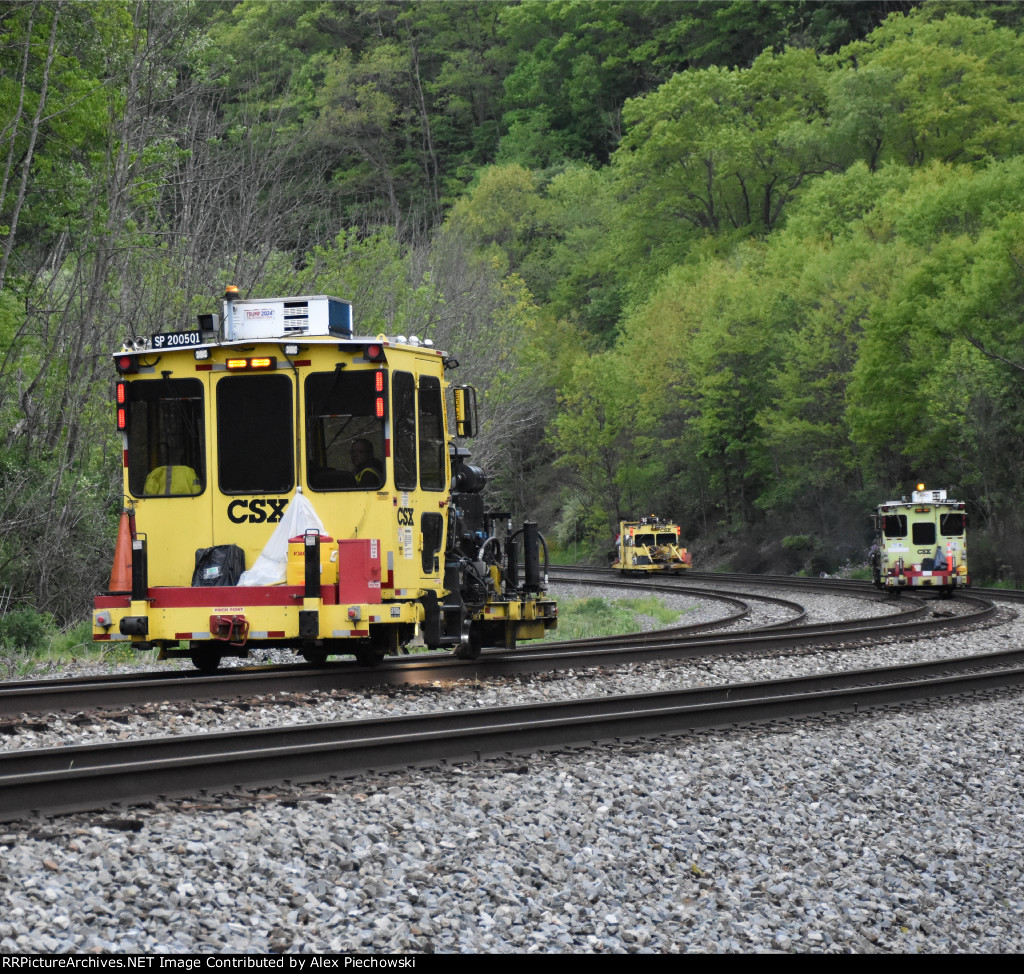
{"x": 298, "y": 318}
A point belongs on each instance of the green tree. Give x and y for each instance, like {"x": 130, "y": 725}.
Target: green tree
{"x": 84, "y": 202}
{"x": 732, "y": 33}
{"x": 603, "y": 435}
{"x": 720, "y": 152}
{"x": 505, "y": 211}
{"x": 575, "y": 63}
{"x": 55, "y": 105}
{"x": 922, "y": 88}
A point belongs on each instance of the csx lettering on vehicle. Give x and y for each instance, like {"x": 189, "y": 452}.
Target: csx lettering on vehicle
{"x": 257, "y": 510}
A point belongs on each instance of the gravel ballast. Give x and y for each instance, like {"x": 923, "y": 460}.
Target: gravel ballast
{"x": 888, "y": 831}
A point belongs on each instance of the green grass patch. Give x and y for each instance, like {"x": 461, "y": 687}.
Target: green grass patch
{"x": 1004, "y": 583}
{"x": 586, "y": 618}
{"x": 652, "y": 606}
{"x": 32, "y": 644}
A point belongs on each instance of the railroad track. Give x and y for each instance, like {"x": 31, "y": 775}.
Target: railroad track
{"x": 43, "y": 696}
{"x": 675, "y": 642}
{"x": 81, "y": 777}
{"x": 76, "y": 778}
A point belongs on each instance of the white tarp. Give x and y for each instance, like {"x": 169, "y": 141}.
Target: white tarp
{"x": 271, "y": 567}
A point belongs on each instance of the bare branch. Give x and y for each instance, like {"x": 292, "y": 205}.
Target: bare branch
{"x": 992, "y": 355}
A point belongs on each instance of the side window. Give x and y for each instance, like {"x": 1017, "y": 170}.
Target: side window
{"x": 255, "y": 441}
{"x": 403, "y": 429}
{"x": 345, "y": 416}
{"x": 895, "y": 525}
{"x": 432, "y": 444}
{"x": 432, "y": 526}
{"x": 923, "y": 533}
{"x": 166, "y": 438}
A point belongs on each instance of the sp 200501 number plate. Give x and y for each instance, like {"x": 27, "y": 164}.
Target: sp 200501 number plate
{"x": 178, "y": 339}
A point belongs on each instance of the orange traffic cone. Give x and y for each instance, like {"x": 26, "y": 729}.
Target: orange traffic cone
{"x": 121, "y": 574}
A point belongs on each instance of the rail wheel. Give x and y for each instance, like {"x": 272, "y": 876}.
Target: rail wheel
{"x": 205, "y": 660}
{"x": 405, "y": 633}
{"x": 472, "y": 644}
{"x": 317, "y": 657}
{"x": 383, "y": 641}
{"x": 369, "y": 655}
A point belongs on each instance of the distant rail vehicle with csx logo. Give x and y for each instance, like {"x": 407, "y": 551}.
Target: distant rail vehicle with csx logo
{"x": 920, "y": 542}
{"x": 291, "y": 484}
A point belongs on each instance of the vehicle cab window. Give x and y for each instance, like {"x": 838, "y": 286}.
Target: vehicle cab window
{"x": 345, "y": 416}
{"x": 952, "y": 525}
{"x": 433, "y": 451}
{"x": 895, "y": 525}
{"x": 923, "y": 533}
{"x": 255, "y": 443}
{"x": 166, "y": 438}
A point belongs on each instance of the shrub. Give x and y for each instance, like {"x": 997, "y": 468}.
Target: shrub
{"x": 26, "y": 630}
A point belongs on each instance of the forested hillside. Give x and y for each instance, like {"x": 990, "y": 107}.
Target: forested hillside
{"x": 754, "y": 266}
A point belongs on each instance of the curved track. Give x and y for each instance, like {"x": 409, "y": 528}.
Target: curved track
{"x": 61, "y": 779}
{"x": 675, "y": 642}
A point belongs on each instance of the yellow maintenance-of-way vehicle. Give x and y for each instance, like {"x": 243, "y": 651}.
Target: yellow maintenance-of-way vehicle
{"x": 650, "y": 545}
{"x": 291, "y": 484}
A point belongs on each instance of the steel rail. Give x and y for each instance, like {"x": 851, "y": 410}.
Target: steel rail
{"x": 86, "y": 777}
{"x": 664, "y": 644}
{"x": 669, "y": 584}
{"x": 646, "y": 647}
{"x": 76, "y": 693}
{"x": 850, "y": 585}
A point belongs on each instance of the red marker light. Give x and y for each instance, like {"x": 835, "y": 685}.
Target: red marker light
{"x": 380, "y": 407}
{"x": 379, "y": 382}
{"x": 121, "y": 394}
